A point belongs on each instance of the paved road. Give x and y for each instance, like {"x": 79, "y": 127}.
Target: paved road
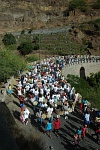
{"x": 68, "y": 128}
{"x": 45, "y": 31}
{"x": 67, "y": 131}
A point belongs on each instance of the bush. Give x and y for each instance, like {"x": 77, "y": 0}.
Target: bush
{"x": 96, "y": 5}
{"x": 9, "y": 39}
{"x": 36, "y": 47}
{"x": 25, "y": 48}
{"x": 80, "y": 4}
{"x": 87, "y": 88}
{"x": 97, "y": 24}
{"x": 36, "y": 39}
{"x": 22, "y": 32}
{"x": 30, "y": 31}
{"x": 32, "y": 58}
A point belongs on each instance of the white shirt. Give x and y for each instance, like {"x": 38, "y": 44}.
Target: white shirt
{"x": 87, "y": 117}
{"x": 49, "y": 110}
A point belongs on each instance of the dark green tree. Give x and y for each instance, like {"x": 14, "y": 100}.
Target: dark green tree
{"x": 22, "y": 32}
{"x": 9, "y": 39}
{"x": 30, "y": 31}
{"x": 36, "y": 47}
{"x": 25, "y": 48}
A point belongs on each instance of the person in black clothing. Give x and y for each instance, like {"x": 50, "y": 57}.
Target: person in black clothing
{"x": 97, "y": 133}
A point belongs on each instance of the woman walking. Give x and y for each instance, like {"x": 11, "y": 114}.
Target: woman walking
{"x": 56, "y": 126}
{"x": 9, "y": 90}
{"x": 48, "y": 128}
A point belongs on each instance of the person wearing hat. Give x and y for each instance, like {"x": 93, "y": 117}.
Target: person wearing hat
{"x": 56, "y": 126}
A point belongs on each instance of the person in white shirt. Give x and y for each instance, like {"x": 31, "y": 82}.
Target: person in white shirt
{"x": 19, "y": 84}
{"x": 87, "y": 119}
{"x": 51, "y": 101}
{"x": 32, "y": 90}
{"x": 19, "y": 92}
{"x": 41, "y": 98}
{"x": 27, "y": 87}
{"x": 39, "y": 117}
{"x": 41, "y": 91}
{"x": 50, "y": 113}
{"x": 26, "y": 115}
{"x": 55, "y": 88}
{"x": 36, "y": 94}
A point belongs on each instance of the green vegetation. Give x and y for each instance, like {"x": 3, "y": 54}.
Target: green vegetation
{"x": 30, "y": 31}
{"x": 59, "y": 44}
{"x": 25, "y": 48}
{"x": 91, "y": 25}
{"x": 10, "y": 64}
{"x": 96, "y": 5}
{"x": 78, "y": 4}
{"x": 22, "y": 32}
{"x": 9, "y": 39}
{"x": 97, "y": 24}
{"x": 89, "y": 88}
{"x": 32, "y": 58}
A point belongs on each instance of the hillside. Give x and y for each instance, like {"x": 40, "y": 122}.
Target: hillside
{"x": 16, "y": 15}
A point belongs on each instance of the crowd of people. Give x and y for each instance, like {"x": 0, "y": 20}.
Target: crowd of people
{"x": 51, "y": 96}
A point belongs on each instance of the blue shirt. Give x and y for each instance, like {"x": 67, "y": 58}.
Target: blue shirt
{"x": 49, "y": 126}
{"x": 79, "y": 132}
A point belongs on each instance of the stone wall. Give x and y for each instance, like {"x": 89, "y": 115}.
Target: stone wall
{"x": 90, "y": 67}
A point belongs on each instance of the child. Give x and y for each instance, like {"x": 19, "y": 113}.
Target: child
{"x": 22, "y": 118}
{"x": 48, "y": 128}
{"x": 9, "y": 90}
{"x": 84, "y": 131}
{"x": 79, "y": 132}
{"x": 76, "y": 140}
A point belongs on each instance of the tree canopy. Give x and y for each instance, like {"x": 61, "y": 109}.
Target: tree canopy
{"x": 9, "y": 39}
{"x": 25, "y": 48}
{"x": 10, "y": 64}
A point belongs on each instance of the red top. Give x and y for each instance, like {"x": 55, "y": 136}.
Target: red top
{"x": 57, "y": 124}
{"x": 21, "y": 99}
{"x": 97, "y": 131}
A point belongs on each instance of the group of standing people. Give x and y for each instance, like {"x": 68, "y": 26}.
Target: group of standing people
{"x": 50, "y": 96}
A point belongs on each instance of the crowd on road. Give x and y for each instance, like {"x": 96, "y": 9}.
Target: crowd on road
{"x": 51, "y": 96}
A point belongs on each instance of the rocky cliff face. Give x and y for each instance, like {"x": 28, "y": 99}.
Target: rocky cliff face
{"x": 35, "y": 14}
{"x": 19, "y": 14}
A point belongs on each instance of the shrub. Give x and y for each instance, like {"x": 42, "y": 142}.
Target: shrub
{"x": 25, "y": 48}
{"x": 36, "y": 39}
{"x": 22, "y": 32}
{"x": 36, "y": 47}
{"x": 32, "y": 58}
{"x": 80, "y": 4}
{"x": 87, "y": 88}
{"x": 96, "y": 5}
{"x": 9, "y": 39}
{"x": 30, "y": 31}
